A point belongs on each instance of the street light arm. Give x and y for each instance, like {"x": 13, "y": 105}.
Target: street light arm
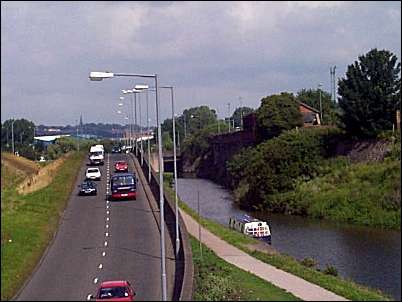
{"x": 135, "y": 75}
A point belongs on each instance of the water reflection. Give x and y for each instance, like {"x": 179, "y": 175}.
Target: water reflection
{"x": 368, "y": 256}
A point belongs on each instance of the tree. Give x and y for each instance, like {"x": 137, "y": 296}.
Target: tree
{"x": 167, "y": 141}
{"x": 23, "y": 133}
{"x": 191, "y": 121}
{"x": 370, "y": 93}
{"x": 276, "y": 114}
{"x": 311, "y": 97}
{"x": 239, "y": 113}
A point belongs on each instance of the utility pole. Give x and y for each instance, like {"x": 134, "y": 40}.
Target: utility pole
{"x": 333, "y": 84}
{"x": 78, "y": 143}
{"x": 319, "y": 88}
{"x": 12, "y": 135}
{"x": 229, "y": 115}
{"x": 199, "y": 223}
{"x": 241, "y": 112}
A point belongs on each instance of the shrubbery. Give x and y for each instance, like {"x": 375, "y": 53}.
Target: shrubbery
{"x": 273, "y": 166}
{"x": 198, "y": 144}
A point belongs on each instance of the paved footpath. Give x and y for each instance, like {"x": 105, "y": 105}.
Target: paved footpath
{"x": 297, "y": 286}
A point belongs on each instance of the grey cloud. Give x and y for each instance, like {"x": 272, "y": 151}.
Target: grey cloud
{"x": 212, "y": 52}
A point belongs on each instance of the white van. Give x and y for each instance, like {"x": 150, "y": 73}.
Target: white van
{"x": 97, "y": 155}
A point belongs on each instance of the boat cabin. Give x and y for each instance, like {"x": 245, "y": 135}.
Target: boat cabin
{"x": 250, "y": 226}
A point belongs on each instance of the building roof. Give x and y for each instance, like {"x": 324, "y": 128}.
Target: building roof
{"x": 308, "y": 107}
{"x": 49, "y": 138}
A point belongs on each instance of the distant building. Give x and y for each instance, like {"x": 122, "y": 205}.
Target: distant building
{"x": 311, "y": 116}
{"x": 53, "y": 130}
{"x": 48, "y": 139}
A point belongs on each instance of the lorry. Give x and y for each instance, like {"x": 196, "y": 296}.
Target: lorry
{"x": 97, "y": 155}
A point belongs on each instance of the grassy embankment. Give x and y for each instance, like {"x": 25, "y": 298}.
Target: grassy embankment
{"x": 29, "y": 221}
{"x": 336, "y": 284}
{"x": 361, "y": 193}
{"x": 217, "y": 280}
{"x": 298, "y": 173}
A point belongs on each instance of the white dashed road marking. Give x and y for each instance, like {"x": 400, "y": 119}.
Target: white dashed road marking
{"x": 107, "y": 226}
{"x": 95, "y": 280}
{"x": 89, "y": 297}
{"x": 100, "y": 266}
{"x": 105, "y": 243}
{"x": 107, "y": 234}
{"x": 103, "y": 254}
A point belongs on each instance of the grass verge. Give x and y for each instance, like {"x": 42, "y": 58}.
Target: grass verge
{"x": 217, "y": 280}
{"x": 29, "y": 222}
{"x": 338, "y": 285}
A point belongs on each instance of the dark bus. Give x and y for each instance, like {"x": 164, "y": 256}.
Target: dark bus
{"x": 123, "y": 186}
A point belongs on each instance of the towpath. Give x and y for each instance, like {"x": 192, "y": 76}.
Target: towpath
{"x": 297, "y": 286}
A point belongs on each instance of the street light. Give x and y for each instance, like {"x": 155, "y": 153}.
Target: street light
{"x": 12, "y": 134}
{"x": 134, "y": 92}
{"x": 229, "y": 114}
{"x": 143, "y": 87}
{"x": 319, "y": 88}
{"x": 99, "y": 76}
{"x": 130, "y": 115}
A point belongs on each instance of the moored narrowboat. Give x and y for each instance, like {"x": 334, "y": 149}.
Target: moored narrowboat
{"x": 251, "y": 226}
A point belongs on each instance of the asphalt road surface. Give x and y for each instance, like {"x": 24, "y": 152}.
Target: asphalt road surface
{"x": 100, "y": 240}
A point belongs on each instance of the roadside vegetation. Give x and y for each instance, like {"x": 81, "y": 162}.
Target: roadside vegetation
{"x": 303, "y": 268}
{"x": 217, "y": 280}
{"x": 29, "y": 222}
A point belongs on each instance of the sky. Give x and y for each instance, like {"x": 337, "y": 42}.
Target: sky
{"x": 212, "y": 53}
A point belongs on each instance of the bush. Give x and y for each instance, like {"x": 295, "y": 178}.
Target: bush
{"x": 278, "y": 113}
{"x": 308, "y": 262}
{"x": 330, "y": 270}
{"x": 273, "y": 166}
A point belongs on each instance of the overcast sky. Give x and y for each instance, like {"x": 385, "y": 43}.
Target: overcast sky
{"x": 213, "y": 53}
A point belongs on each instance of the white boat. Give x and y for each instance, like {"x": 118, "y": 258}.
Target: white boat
{"x": 250, "y": 226}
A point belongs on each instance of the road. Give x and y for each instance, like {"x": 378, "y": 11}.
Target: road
{"x": 101, "y": 240}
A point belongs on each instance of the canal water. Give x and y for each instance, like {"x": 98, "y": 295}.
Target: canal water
{"x": 368, "y": 256}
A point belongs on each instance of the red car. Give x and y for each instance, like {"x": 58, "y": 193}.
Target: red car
{"x": 115, "y": 291}
{"x": 121, "y": 166}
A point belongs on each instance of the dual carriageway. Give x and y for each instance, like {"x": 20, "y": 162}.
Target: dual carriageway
{"x": 100, "y": 240}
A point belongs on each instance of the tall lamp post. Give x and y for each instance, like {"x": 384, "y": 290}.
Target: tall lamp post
{"x": 143, "y": 87}
{"x": 319, "y": 88}
{"x": 12, "y": 135}
{"x": 99, "y": 76}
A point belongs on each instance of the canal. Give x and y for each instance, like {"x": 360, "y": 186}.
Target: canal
{"x": 368, "y": 256}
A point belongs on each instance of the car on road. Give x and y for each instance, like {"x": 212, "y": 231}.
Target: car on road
{"x": 116, "y": 149}
{"x": 123, "y": 186}
{"x": 87, "y": 188}
{"x": 121, "y": 166}
{"x": 93, "y": 174}
{"x": 115, "y": 291}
